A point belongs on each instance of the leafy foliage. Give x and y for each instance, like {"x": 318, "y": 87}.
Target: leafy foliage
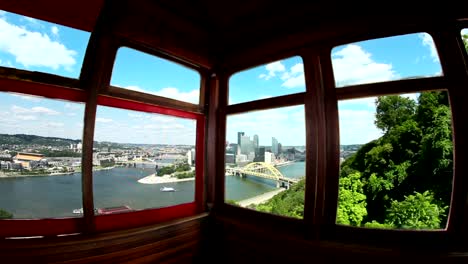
{"x": 288, "y": 203}
{"x": 174, "y": 168}
{"x": 405, "y": 175}
{"x": 185, "y": 175}
{"x": 22, "y": 139}
{"x": 5, "y": 215}
{"x": 418, "y": 211}
{"x": 351, "y": 200}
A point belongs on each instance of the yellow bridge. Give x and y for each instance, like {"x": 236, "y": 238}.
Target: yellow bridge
{"x": 263, "y": 170}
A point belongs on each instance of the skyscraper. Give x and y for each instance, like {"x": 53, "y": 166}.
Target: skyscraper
{"x": 274, "y": 145}
{"x": 255, "y": 143}
{"x": 246, "y": 145}
{"x": 239, "y": 135}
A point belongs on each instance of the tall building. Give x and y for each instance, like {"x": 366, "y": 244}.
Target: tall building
{"x": 255, "y": 143}
{"x": 246, "y": 145}
{"x": 269, "y": 158}
{"x": 260, "y": 154}
{"x": 280, "y": 148}
{"x": 239, "y": 135}
{"x": 274, "y": 145}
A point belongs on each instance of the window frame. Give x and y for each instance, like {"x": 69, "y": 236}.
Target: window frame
{"x": 322, "y": 167}
{"x": 154, "y": 215}
{"x": 296, "y": 99}
{"x": 58, "y": 87}
{"x": 123, "y": 93}
{"x": 45, "y": 226}
{"x": 334, "y": 231}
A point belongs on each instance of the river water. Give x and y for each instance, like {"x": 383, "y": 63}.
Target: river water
{"x": 57, "y": 196}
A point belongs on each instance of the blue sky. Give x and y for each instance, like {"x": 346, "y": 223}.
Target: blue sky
{"x": 40, "y": 46}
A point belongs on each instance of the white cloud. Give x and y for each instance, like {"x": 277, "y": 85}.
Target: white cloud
{"x": 30, "y": 19}
{"x": 55, "y": 124}
{"x": 103, "y": 120}
{"x": 264, "y": 97}
{"x": 54, "y": 30}
{"x": 27, "y": 97}
{"x": 73, "y": 106}
{"x": 353, "y": 65}
{"x": 291, "y": 79}
{"x": 32, "y": 48}
{"x": 34, "y": 110}
{"x": 273, "y": 68}
{"x": 464, "y": 31}
{"x": 2, "y": 13}
{"x": 427, "y": 41}
{"x": 25, "y": 117}
{"x": 170, "y": 92}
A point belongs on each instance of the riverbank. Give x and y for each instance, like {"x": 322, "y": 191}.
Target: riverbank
{"x": 260, "y": 198}
{"x": 153, "y": 179}
{"x": 15, "y": 175}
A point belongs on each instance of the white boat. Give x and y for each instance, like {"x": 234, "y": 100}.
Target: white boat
{"x": 78, "y": 211}
{"x": 167, "y": 189}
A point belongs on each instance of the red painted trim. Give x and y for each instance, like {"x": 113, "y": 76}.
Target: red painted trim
{"x": 199, "y": 163}
{"x": 113, "y": 222}
{"x": 139, "y": 106}
{"x": 42, "y": 89}
{"x": 39, "y": 227}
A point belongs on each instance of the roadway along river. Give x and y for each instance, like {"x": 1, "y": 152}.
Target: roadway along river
{"x": 57, "y": 196}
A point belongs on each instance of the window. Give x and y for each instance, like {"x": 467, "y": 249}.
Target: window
{"x": 142, "y": 160}
{"x": 35, "y": 45}
{"x": 396, "y": 161}
{"x": 464, "y": 34}
{"x": 40, "y": 156}
{"x": 386, "y": 59}
{"x": 277, "y": 78}
{"x": 141, "y": 72}
{"x": 265, "y": 161}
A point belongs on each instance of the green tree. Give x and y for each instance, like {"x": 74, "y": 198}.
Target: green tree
{"x": 418, "y": 211}
{"x": 351, "y": 200}
{"x": 288, "y": 203}
{"x": 393, "y": 110}
{"x": 5, "y": 215}
{"x": 465, "y": 41}
{"x": 414, "y": 155}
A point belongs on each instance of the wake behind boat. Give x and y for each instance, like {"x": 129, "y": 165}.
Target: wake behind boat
{"x": 167, "y": 189}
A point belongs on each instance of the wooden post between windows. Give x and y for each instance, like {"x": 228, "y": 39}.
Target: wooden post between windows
{"x": 95, "y": 74}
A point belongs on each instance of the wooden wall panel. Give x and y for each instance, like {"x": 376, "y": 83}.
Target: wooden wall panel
{"x": 242, "y": 242}
{"x": 174, "y": 242}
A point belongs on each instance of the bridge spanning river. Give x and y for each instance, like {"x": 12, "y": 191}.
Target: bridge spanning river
{"x": 263, "y": 170}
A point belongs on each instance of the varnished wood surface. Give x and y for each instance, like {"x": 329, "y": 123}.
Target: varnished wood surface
{"x": 95, "y": 74}
{"x": 38, "y": 77}
{"x": 153, "y": 99}
{"x": 244, "y": 241}
{"x": 173, "y": 242}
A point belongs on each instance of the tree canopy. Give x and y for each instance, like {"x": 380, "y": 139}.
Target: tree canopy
{"x": 405, "y": 176}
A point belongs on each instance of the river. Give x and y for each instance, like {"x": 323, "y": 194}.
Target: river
{"x": 57, "y": 196}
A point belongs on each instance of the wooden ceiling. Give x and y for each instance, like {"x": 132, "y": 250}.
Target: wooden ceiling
{"x": 210, "y": 30}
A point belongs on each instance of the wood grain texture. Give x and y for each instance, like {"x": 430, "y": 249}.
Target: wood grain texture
{"x": 95, "y": 74}
{"x": 177, "y": 240}
{"x": 38, "y": 77}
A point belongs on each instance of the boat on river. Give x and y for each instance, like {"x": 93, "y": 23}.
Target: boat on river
{"x": 167, "y": 189}
{"x": 107, "y": 210}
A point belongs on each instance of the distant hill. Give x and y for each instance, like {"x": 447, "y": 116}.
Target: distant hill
{"x": 22, "y": 139}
